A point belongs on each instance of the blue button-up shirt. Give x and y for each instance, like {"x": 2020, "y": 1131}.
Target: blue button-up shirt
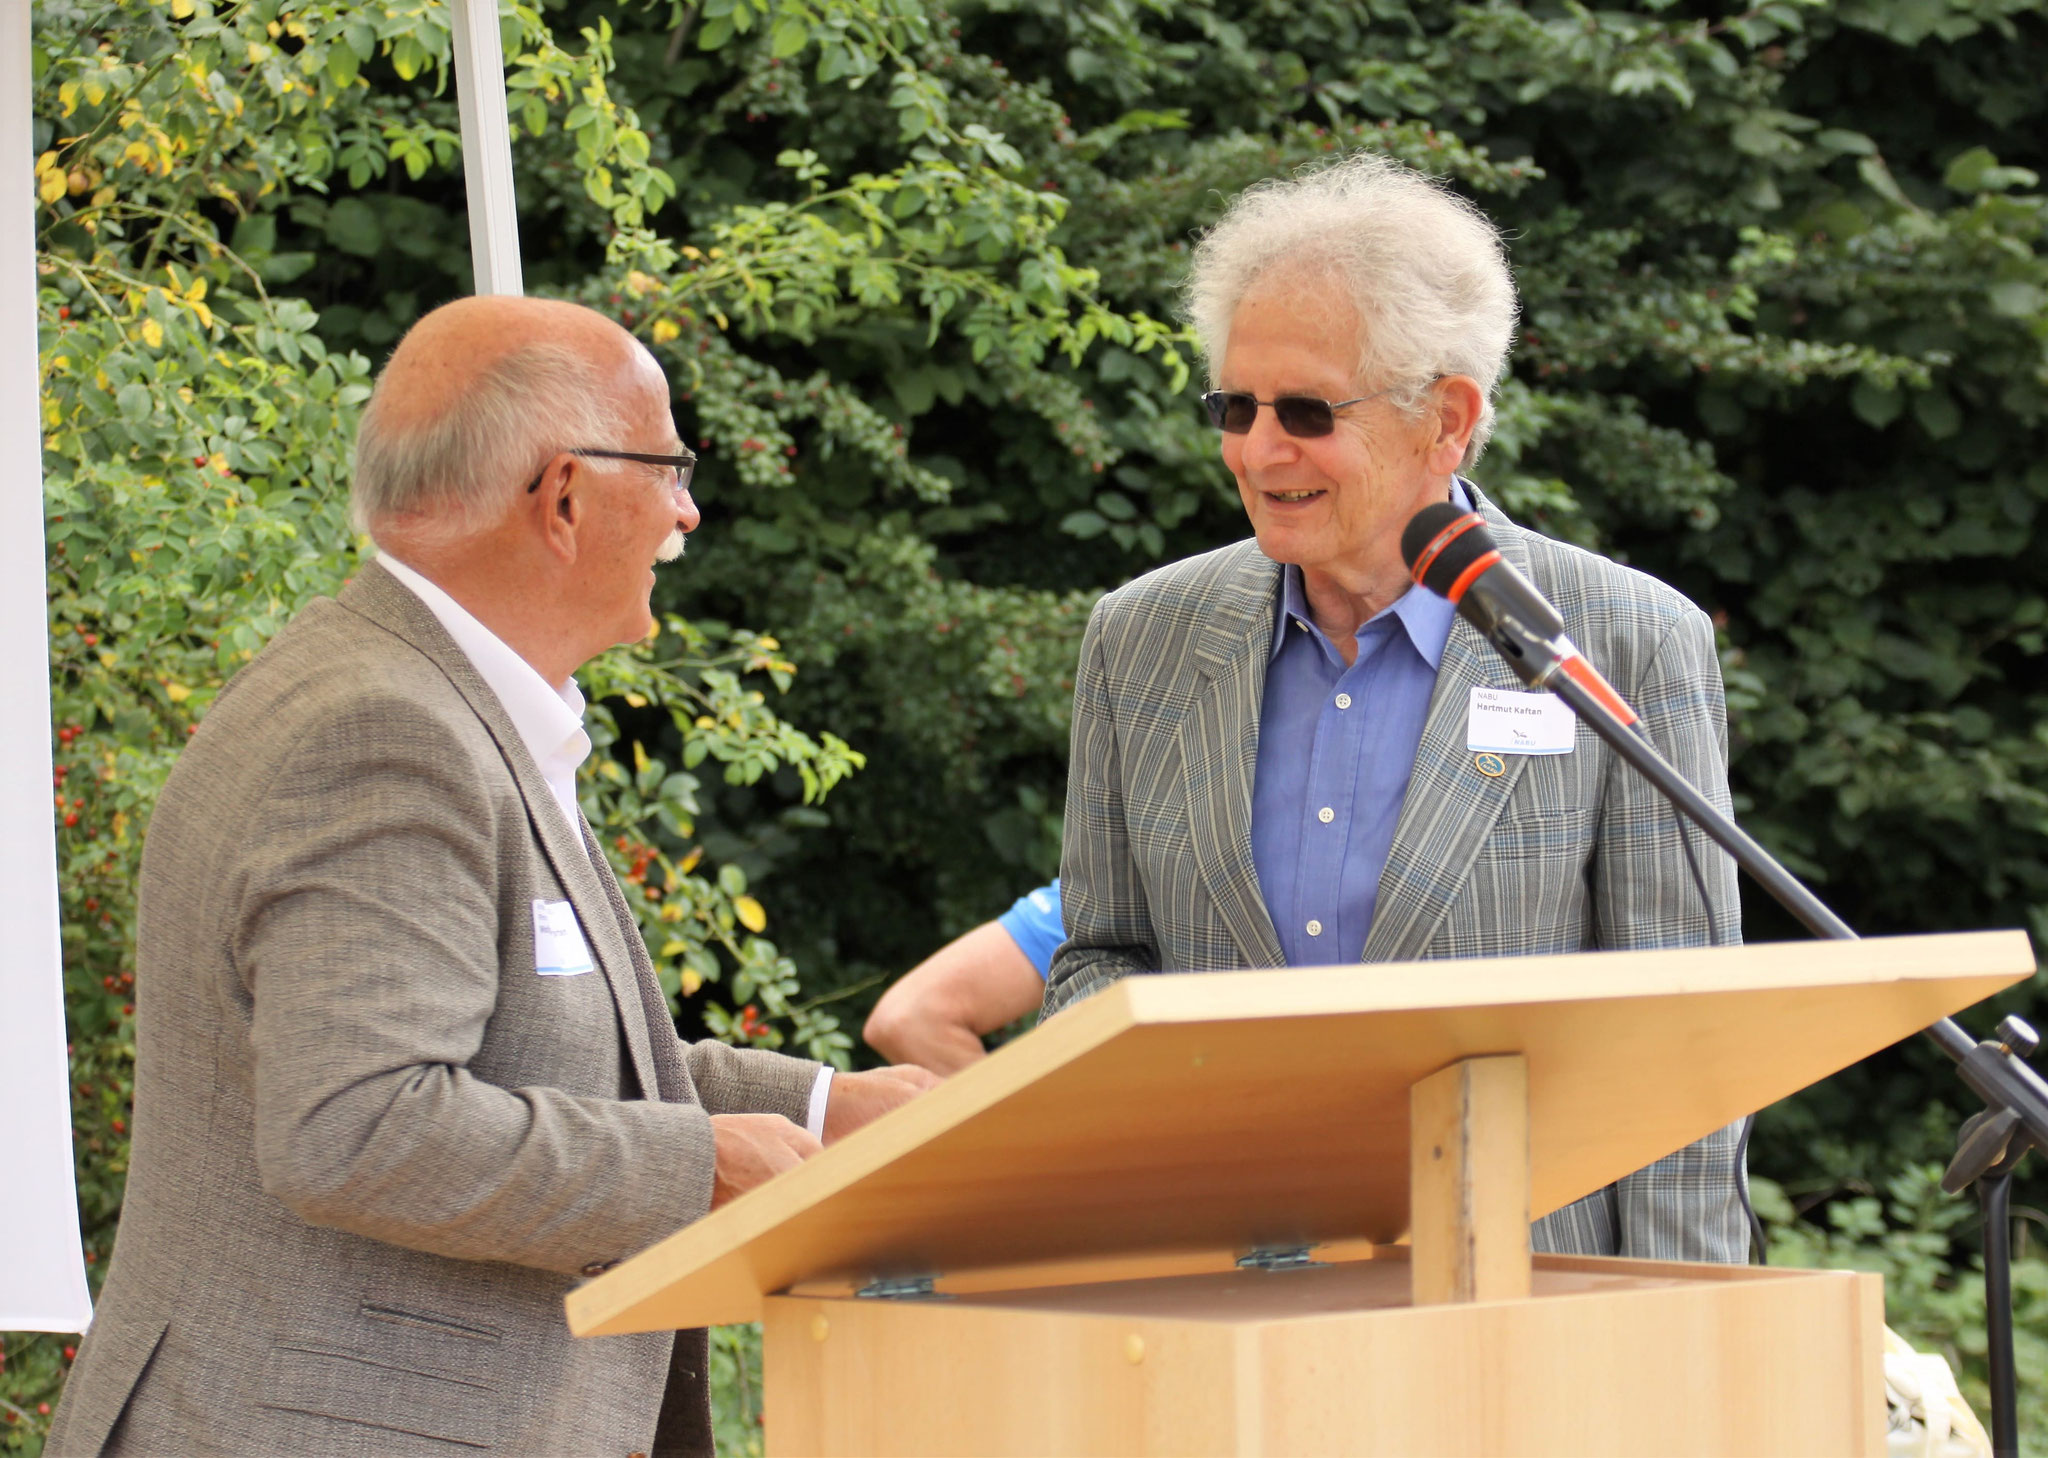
{"x": 1336, "y": 746}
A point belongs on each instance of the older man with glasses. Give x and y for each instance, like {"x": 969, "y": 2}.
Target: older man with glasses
{"x": 1286, "y": 753}
{"x": 404, "y": 1070}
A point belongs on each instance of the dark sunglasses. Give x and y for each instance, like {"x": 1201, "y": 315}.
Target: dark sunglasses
{"x": 1233, "y": 411}
{"x": 683, "y": 464}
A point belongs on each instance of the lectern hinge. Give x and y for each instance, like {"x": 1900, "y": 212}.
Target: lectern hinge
{"x": 1277, "y": 1258}
{"x": 900, "y": 1288}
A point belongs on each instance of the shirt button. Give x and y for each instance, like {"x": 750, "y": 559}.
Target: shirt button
{"x": 1343, "y": 701}
{"x": 1315, "y": 928}
{"x": 1326, "y": 815}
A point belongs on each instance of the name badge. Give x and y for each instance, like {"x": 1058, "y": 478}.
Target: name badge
{"x": 558, "y": 947}
{"x": 1503, "y": 721}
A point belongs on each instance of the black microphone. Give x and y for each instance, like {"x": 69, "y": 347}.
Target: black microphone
{"x": 1451, "y": 553}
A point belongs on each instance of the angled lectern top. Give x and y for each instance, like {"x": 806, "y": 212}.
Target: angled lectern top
{"x": 1226, "y": 1112}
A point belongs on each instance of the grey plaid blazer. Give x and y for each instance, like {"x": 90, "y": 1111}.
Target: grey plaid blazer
{"x": 372, "y": 1147}
{"x": 1561, "y": 854}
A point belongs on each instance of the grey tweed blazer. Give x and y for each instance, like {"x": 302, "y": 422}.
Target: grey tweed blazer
{"x": 1561, "y": 854}
{"x": 373, "y": 1149}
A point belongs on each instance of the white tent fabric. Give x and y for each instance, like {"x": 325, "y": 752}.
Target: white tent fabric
{"x": 42, "y": 1270}
{"x": 42, "y": 1273}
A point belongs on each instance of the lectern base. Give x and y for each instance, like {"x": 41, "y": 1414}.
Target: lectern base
{"x": 1604, "y": 1357}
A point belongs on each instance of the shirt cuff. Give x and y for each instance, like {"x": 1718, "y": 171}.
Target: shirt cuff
{"x": 814, "y": 1117}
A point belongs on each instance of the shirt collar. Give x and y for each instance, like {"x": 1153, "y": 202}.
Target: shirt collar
{"x": 549, "y": 720}
{"x": 1425, "y": 616}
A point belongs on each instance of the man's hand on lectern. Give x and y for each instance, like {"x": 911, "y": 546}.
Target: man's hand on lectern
{"x": 861, "y": 1098}
{"x": 753, "y": 1149}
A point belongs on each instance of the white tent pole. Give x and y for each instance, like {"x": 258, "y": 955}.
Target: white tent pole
{"x": 42, "y": 1271}
{"x": 486, "y": 147}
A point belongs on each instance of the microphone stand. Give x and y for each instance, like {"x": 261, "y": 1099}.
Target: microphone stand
{"x": 1990, "y": 1144}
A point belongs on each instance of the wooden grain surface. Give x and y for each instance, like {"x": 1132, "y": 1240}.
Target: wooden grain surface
{"x": 1468, "y": 1181}
{"x": 1215, "y": 1112}
{"x": 1611, "y": 1358}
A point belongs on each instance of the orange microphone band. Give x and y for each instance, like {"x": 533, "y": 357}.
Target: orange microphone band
{"x": 1443, "y": 539}
{"x": 1588, "y": 678}
{"x": 1471, "y": 574}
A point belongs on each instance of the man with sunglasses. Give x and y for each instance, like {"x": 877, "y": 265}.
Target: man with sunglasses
{"x": 1277, "y": 759}
{"x": 404, "y": 1069}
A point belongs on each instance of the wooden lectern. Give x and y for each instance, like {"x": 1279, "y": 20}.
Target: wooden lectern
{"x": 1163, "y": 1223}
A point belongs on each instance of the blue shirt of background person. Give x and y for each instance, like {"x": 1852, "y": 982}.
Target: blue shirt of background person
{"x": 1035, "y": 925}
{"x": 1336, "y": 746}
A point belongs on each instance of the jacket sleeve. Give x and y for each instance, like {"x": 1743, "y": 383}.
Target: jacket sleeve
{"x": 751, "y": 1080}
{"x": 1108, "y": 922}
{"x": 367, "y": 944}
{"x": 1688, "y": 1205}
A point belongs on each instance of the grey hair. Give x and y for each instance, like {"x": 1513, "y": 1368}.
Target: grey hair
{"x": 1426, "y": 270}
{"x": 460, "y": 471}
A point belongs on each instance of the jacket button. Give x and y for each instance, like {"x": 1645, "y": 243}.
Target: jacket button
{"x": 598, "y": 1268}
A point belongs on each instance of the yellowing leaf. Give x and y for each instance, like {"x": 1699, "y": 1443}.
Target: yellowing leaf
{"x": 689, "y": 862}
{"x": 751, "y": 915}
{"x": 638, "y": 701}
{"x": 152, "y": 334}
{"x": 51, "y": 186}
{"x": 673, "y": 947}
{"x": 181, "y": 9}
{"x": 138, "y": 153}
{"x": 691, "y": 982}
{"x": 205, "y": 314}
{"x": 665, "y": 330}
{"x": 198, "y": 289}
{"x": 177, "y": 692}
{"x": 639, "y": 757}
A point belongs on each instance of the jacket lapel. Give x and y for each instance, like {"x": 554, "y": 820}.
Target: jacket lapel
{"x": 1219, "y": 749}
{"x": 377, "y": 595}
{"x": 1450, "y": 807}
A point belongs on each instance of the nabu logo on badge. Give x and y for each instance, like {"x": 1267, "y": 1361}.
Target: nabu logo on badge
{"x": 558, "y": 947}
{"x": 1502, "y": 721}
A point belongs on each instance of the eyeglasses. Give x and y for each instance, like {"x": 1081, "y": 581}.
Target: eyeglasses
{"x": 1233, "y": 411}
{"x": 684, "y": 464}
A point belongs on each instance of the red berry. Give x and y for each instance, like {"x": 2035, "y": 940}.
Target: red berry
{"x": 71, "y": 1354}
{"x": 119, "y": 1127}
{"x": 70, "y": 818}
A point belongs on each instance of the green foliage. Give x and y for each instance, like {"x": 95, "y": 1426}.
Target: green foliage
{"x": 1934, "y": 1297}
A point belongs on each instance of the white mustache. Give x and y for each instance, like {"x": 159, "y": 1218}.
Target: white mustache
{"x": 672, "y": 546}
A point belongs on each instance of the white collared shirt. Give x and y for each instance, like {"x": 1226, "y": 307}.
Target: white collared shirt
{"x": 549, "y": 721}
